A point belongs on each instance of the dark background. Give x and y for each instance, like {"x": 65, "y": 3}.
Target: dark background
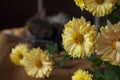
{"x": 14, "y": 13}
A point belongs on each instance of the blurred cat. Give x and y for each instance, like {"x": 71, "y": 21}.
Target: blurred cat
{"x": 46, "y": 29}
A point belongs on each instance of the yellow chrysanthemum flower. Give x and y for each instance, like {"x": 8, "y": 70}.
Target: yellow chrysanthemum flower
{"x": 82, "y": 75}
{"x": 99, "y": 7}
{"x": 18, "y": 53}
{"x": 111, "y": 28}
{"x": 80, "y": 3}
{"x": 108, "y": 44}
{"x": 78, "y": 37}
{"x": 37, "y": 63}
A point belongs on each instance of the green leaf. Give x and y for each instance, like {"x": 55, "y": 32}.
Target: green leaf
{"x": 114, "y": 17}
{"x": 98, "y": 75}
{"x": 114, "y": 69}
{"x": 110, "y": 75}
{"x": 52, "y": 49}
{"x": 91, "y": 58}
{"x": 96, "y": 62}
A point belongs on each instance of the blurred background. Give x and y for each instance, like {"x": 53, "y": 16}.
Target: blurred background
{"x": 15, "y": 13}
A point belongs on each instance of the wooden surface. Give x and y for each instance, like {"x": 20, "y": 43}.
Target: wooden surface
{"x": 8, "y": 71}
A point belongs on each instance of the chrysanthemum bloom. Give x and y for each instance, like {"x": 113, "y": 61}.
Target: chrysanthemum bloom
{"x": 99, "y": 7}
{"x": 38, "y": 63}
{"x": 18, "y": 53}
{"x": 82, "y": 75}
{"x": 110, "y": 27}
{"x": 107, "y": 44}
{"x": 78, "y": 37}
{"x": 80, "y": 3}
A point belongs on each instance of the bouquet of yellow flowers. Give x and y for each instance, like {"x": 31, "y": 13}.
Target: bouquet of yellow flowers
{"x": 99, "y": 44}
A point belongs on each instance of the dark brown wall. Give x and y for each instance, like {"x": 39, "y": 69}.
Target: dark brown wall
{"x": 66, "y": 6}
{"x": 14, "y": 13}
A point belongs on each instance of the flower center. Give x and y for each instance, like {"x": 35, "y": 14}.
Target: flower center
{"x": 20, "y": 56}
{"x": 114, "y": 44}
{"x": 78, "y": 38}
{"x": 99, "y": 1}
{"x": 38, "y": 63}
